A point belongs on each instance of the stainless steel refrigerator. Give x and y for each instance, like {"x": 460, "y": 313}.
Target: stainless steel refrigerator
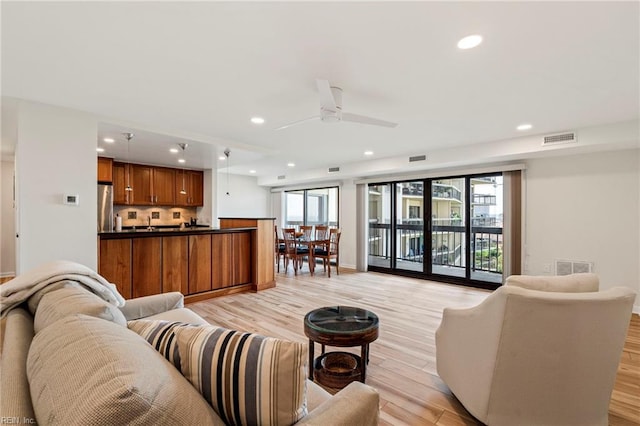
{"x": 105, "y": 208}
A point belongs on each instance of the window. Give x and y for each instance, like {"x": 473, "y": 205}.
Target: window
{"x": 318, "y": 206}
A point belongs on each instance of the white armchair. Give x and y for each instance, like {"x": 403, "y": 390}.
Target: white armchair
{"x": 530, "y": 357}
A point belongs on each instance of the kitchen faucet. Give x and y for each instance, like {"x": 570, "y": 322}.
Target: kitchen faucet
{"x": 149, "y": 222}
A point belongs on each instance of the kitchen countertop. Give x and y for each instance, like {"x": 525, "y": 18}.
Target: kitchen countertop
{"x": 167, "y": 231}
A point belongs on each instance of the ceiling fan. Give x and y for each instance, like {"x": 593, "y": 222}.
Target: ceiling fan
{"x": 331, "y": 109}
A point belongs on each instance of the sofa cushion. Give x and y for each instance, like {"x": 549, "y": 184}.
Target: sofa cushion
{"x": 84, "y": 370}
{"x": 73, "y": 298}
{"x": 248, "y": 379}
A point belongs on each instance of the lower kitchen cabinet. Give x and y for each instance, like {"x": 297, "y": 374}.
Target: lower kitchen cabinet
{"x": 146, "y": 273}
{"x": 199, "y": 263}
{"x": 196, "y": 264}
{"x": 175, "y": 266}
{"x": 115, "y": 264}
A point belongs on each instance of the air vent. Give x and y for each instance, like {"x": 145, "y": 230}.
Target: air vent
{"x": 417, "y": 158}
{"x": 334, "y": 169}
{"x": 281, "y": 177}
{"x": 566, "y": 267}
{"x": 559, "y": 139}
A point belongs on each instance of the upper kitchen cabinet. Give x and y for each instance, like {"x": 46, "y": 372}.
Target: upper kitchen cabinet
{"x": 191, "y": 182}
{"x": 120, "y": 173}
{"x": 153, "y": 186}
{"x": 105, "y": 170}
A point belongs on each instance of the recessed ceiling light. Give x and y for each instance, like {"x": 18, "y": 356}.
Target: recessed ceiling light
{"x": 173, "y": 150}
{"x": 291, "y": 164}
{"x": 181, "y": 160}
{"x": 368, "y": 153}
{"x": 525, "y": 126}
{"x": 222, "y": 158}
{"x": 108, "y": 140}
{"x": 252, "y": 171}
{"x": 100, "y": 149}
{"x": 257, "y": 120}
{"x": 470, "y": 42}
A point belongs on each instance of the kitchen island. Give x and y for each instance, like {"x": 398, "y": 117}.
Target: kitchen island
{"x": 198, "y": 262}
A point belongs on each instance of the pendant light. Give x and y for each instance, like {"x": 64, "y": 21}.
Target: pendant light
{"x": 129, "y": 136}
{"x": 226, "y": 154}
{"x": 184, "y": 146}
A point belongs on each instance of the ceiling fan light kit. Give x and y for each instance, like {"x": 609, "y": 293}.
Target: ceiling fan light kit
{"x": 331, "y": 109}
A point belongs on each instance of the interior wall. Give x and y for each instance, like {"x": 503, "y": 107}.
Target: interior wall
{"x": 55, "y": 155}
{"x": 245, "y": 198}
{"x": 585, "y": 207}
{"x": 7, "y": 222}
{"x": 348, "y": 224}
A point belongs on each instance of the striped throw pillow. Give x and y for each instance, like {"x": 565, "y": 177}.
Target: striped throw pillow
{"x": 248, "y": 379}
{"x": 161, "y": 335}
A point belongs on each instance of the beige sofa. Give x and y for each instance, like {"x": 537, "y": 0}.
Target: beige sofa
{"x": 537, "y": 351}
{"x": 68, "y": 358}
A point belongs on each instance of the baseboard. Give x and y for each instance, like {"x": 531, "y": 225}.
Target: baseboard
{"x": 7, "y": 274}
{"x": 636, "y": 309}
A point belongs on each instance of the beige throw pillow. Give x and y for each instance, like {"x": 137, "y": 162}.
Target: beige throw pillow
{"x": 88, "y": 371}
{"x": 248, "y": 379}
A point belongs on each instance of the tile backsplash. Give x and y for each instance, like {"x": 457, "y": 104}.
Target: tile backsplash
{"x": 137, "y": 215}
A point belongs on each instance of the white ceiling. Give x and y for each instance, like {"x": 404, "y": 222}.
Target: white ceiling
{"x": 197, "y": 72}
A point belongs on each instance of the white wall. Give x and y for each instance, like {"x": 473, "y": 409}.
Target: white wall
{"x": 245, "y": 199}
{"x": 55, "y": 155}
{"x": 348, "y": 224}
{"x": 7, "y": 224}
{"x": 585, "y": 207}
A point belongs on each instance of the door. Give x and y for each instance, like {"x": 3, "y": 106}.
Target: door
{"x": 164, "y": 185}
{"x": 379, "y": 239}
{"x": 448, "y": 227}
{"x": 409, "y": 229}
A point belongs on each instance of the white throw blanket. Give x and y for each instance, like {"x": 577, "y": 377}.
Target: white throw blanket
{"x": 19, "y": 289}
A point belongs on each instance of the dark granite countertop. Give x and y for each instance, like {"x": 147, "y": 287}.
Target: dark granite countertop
{"x": 167, "y": 231}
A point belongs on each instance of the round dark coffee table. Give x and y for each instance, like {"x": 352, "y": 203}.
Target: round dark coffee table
{"x": 341, "y": 326}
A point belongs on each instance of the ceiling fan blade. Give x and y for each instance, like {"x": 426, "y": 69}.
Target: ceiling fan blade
{"x": 295, "y": 123}
{"x": 327, "y": 101}
{"x": 355, "y": 118}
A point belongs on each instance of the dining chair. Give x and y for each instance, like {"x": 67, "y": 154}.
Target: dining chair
{"x": 292, "y": 251}
{"x": 279, "y": 247}
{"x": 328, "y": 250}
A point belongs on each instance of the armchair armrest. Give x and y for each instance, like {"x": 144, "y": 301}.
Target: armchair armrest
{"x": 142, "y": 307}
{"x": 466, "y": 346}
{"x": 355, "y": 405}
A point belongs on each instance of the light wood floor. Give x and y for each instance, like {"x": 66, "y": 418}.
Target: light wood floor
{"x": 402, "y": 361}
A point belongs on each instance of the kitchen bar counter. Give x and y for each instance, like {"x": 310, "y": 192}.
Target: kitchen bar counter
{"x": 167, "y": 231}
{"x": 200, "y": 262}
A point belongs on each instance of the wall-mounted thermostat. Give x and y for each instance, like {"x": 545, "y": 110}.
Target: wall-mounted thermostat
{"x": 72, "y": 200}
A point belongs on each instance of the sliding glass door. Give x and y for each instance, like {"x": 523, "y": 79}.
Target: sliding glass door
{"x": 448, "y": 227}
{"x": 317, "y": 206}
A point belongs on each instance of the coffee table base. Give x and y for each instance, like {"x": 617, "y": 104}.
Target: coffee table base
{"x": 337, "y": 369}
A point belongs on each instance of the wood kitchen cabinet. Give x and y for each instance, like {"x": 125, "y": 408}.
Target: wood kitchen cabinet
{"x": 153, "y": 186}
{"x": 232, "y": 254}
{"x": 115, "y": 264}
{"x": 199, "y": 263}
{"x": 120, "y": 172}
{"x": 192, "y": 181}
{"x": 146, "y": 255}
{"x": 175, "y": 264}
{"x": 105, "y": 170}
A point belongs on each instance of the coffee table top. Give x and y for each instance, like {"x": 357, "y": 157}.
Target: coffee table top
{"x": 341, "y": 320}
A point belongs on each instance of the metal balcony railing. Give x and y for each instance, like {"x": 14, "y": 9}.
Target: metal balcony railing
{"x": 486, "y": 245}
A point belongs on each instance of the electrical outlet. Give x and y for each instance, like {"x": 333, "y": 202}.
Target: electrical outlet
{"x": 132, "y": 215}
{"x": 176, "y": 215}
{"x": 155, "y": 215}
